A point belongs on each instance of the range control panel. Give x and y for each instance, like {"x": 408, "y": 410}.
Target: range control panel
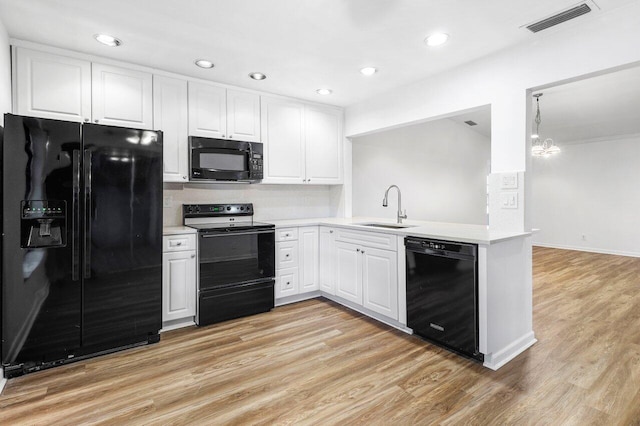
{"x": 216, "y": 210}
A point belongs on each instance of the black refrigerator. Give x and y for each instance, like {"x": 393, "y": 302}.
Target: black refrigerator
{"x": 81, "y": 241}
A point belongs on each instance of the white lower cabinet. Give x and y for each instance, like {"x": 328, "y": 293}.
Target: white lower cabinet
{"x": 366, "y": 275}
{"x": 296, "y": 261}
{"x": 326, "y": 257}
{"x": 178, "y": 278}
{"x": 349, "y": 272}
{"x": 308, "y": 246}
{"x": 380, "y": 281}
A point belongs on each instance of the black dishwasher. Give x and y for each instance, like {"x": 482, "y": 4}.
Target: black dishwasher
{"x": 442, "y": 293}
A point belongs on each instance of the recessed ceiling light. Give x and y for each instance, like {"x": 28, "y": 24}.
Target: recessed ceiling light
{"x": 368, "y": 70}
{"x": 324, "y": 91}
{"x": 203, "y": 63}
{"x": 107, "y": 40}
{"x": 436, "y": 39}
{"x": 257, "y": 76}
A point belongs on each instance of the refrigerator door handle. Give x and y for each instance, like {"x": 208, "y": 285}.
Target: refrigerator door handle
{"x": 75, "y": 217}
{"x": 87, "y": 214}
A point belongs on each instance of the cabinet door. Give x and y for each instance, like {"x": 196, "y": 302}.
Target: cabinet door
{"x": 170, "y": 116}
{"x": 283, "y": 138}
{"x": 178, "y": 285}
{"x": 51, "y": 86}
{"x": 121, "y": 97}
{"x": 380, "y": 281}
{"x": 349, "y": 272}
{"x": 308, "y": 243}
{"x": 323, "y": 139}
{"x": 207, "y": 110}
{"x": 286, "y": 282}
{"x": 243, "y": 116}
{"x": 327, "y": 260}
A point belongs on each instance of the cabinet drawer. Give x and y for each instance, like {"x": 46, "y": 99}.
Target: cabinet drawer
{"x": 286, "y": 254}
{"x": 179, "y": 242}
{"x": 286, "y": 282}
{"x": 369, "y": 239}
{"x": 286, "y": 234}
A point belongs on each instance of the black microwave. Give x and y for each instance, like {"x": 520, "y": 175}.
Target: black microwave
{"x": 224, "y": 160}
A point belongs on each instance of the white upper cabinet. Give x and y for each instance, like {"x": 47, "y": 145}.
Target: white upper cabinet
{"x": 170, "y": 116}
{"x": 122, "y": 97}
{"x": 207, "y": 110}
{"x": 243, "y": 116}
{"x": 303, "y": 143}
{"x": 283, "y": 138}
{"x": 51, "y": 86}
{"x": 323, "y": 140}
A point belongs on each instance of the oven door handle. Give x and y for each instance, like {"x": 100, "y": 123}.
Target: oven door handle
{"x": 229, "y": 234}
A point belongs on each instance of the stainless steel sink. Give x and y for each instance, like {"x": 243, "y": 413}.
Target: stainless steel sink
{"x": 386, "y": 225}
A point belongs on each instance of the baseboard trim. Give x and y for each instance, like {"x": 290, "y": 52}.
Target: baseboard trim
{"x": 297, "y": 298}
{"x": 496, "y": 360}
{"x": 588, "y": 250}
{"x": 3, "y": 382}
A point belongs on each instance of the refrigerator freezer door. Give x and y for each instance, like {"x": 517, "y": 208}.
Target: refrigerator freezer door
{"x": 41, "y": 300}
{"x": 122, "y": 298}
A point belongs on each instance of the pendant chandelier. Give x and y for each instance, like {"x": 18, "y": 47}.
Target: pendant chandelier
{"x": 539, "y": 147}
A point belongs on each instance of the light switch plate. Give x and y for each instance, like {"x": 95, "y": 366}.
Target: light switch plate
{"x": 509, "y": 200}
{"x": 509, "y": 181}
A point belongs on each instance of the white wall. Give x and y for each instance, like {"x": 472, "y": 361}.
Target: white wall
{"x": 589, "y": 189}
{"x": 608, "y": 40}
{"x": 440, "y": 166}
{"x": 5, "y": 72}
{"x": 270, "y": 202}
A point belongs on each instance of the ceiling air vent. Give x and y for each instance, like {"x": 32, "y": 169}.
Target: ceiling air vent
{"x": 471, "y": 123}
{"x": 559, "y": 18}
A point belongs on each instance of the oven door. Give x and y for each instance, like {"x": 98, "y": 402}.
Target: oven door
{"x": 220, "y": 164}
{"x": 234, "y": 257}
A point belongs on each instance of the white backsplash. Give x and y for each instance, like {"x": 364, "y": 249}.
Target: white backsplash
{"x": 270, "y": 202}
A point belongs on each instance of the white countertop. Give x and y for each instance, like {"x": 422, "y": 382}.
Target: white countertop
{"x": 465, "y": 233}
{"x": 173, "y": 230}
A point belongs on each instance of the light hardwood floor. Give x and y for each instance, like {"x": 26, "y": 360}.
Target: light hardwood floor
{"x": 316, "y": 362}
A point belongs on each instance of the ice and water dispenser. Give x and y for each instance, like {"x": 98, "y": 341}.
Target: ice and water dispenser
{"x": 43, "y": 223}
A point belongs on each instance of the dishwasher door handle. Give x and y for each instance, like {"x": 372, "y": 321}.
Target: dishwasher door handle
{"x": 441, "y": 253}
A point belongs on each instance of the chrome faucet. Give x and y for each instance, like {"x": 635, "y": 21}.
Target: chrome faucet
{"x": 385, "y": 203}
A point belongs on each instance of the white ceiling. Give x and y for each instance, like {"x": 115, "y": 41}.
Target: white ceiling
{"x": 300, "y": 45}
{"x": 606, "y": 106}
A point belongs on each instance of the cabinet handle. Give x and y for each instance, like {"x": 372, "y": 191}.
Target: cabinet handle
{"x": 288, "y": 282}
{"x": 230, "y": 136}
{"x": 362, "y": 251}
{"x": 86, "y": 120}
{"x": 286, "y": 235}
{"x": 286, "y": 255}
{"x": 95, "y": 121}
{"x": 304, "y": 180}
{"x": 193, "y": 255}
{"x": 358, "y": 250}
{"x": 331, "y": 231}
{"x": 308, "y": 180}
{"x": 179, "y": 243}
{"x": 184, "y": 178}
{"x": 223, "y": 136}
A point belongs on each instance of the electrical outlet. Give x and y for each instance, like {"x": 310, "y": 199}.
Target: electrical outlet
{"x": 167, "y": 201}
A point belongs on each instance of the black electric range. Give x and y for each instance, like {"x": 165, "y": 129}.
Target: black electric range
{"x": 236, "y": 261}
